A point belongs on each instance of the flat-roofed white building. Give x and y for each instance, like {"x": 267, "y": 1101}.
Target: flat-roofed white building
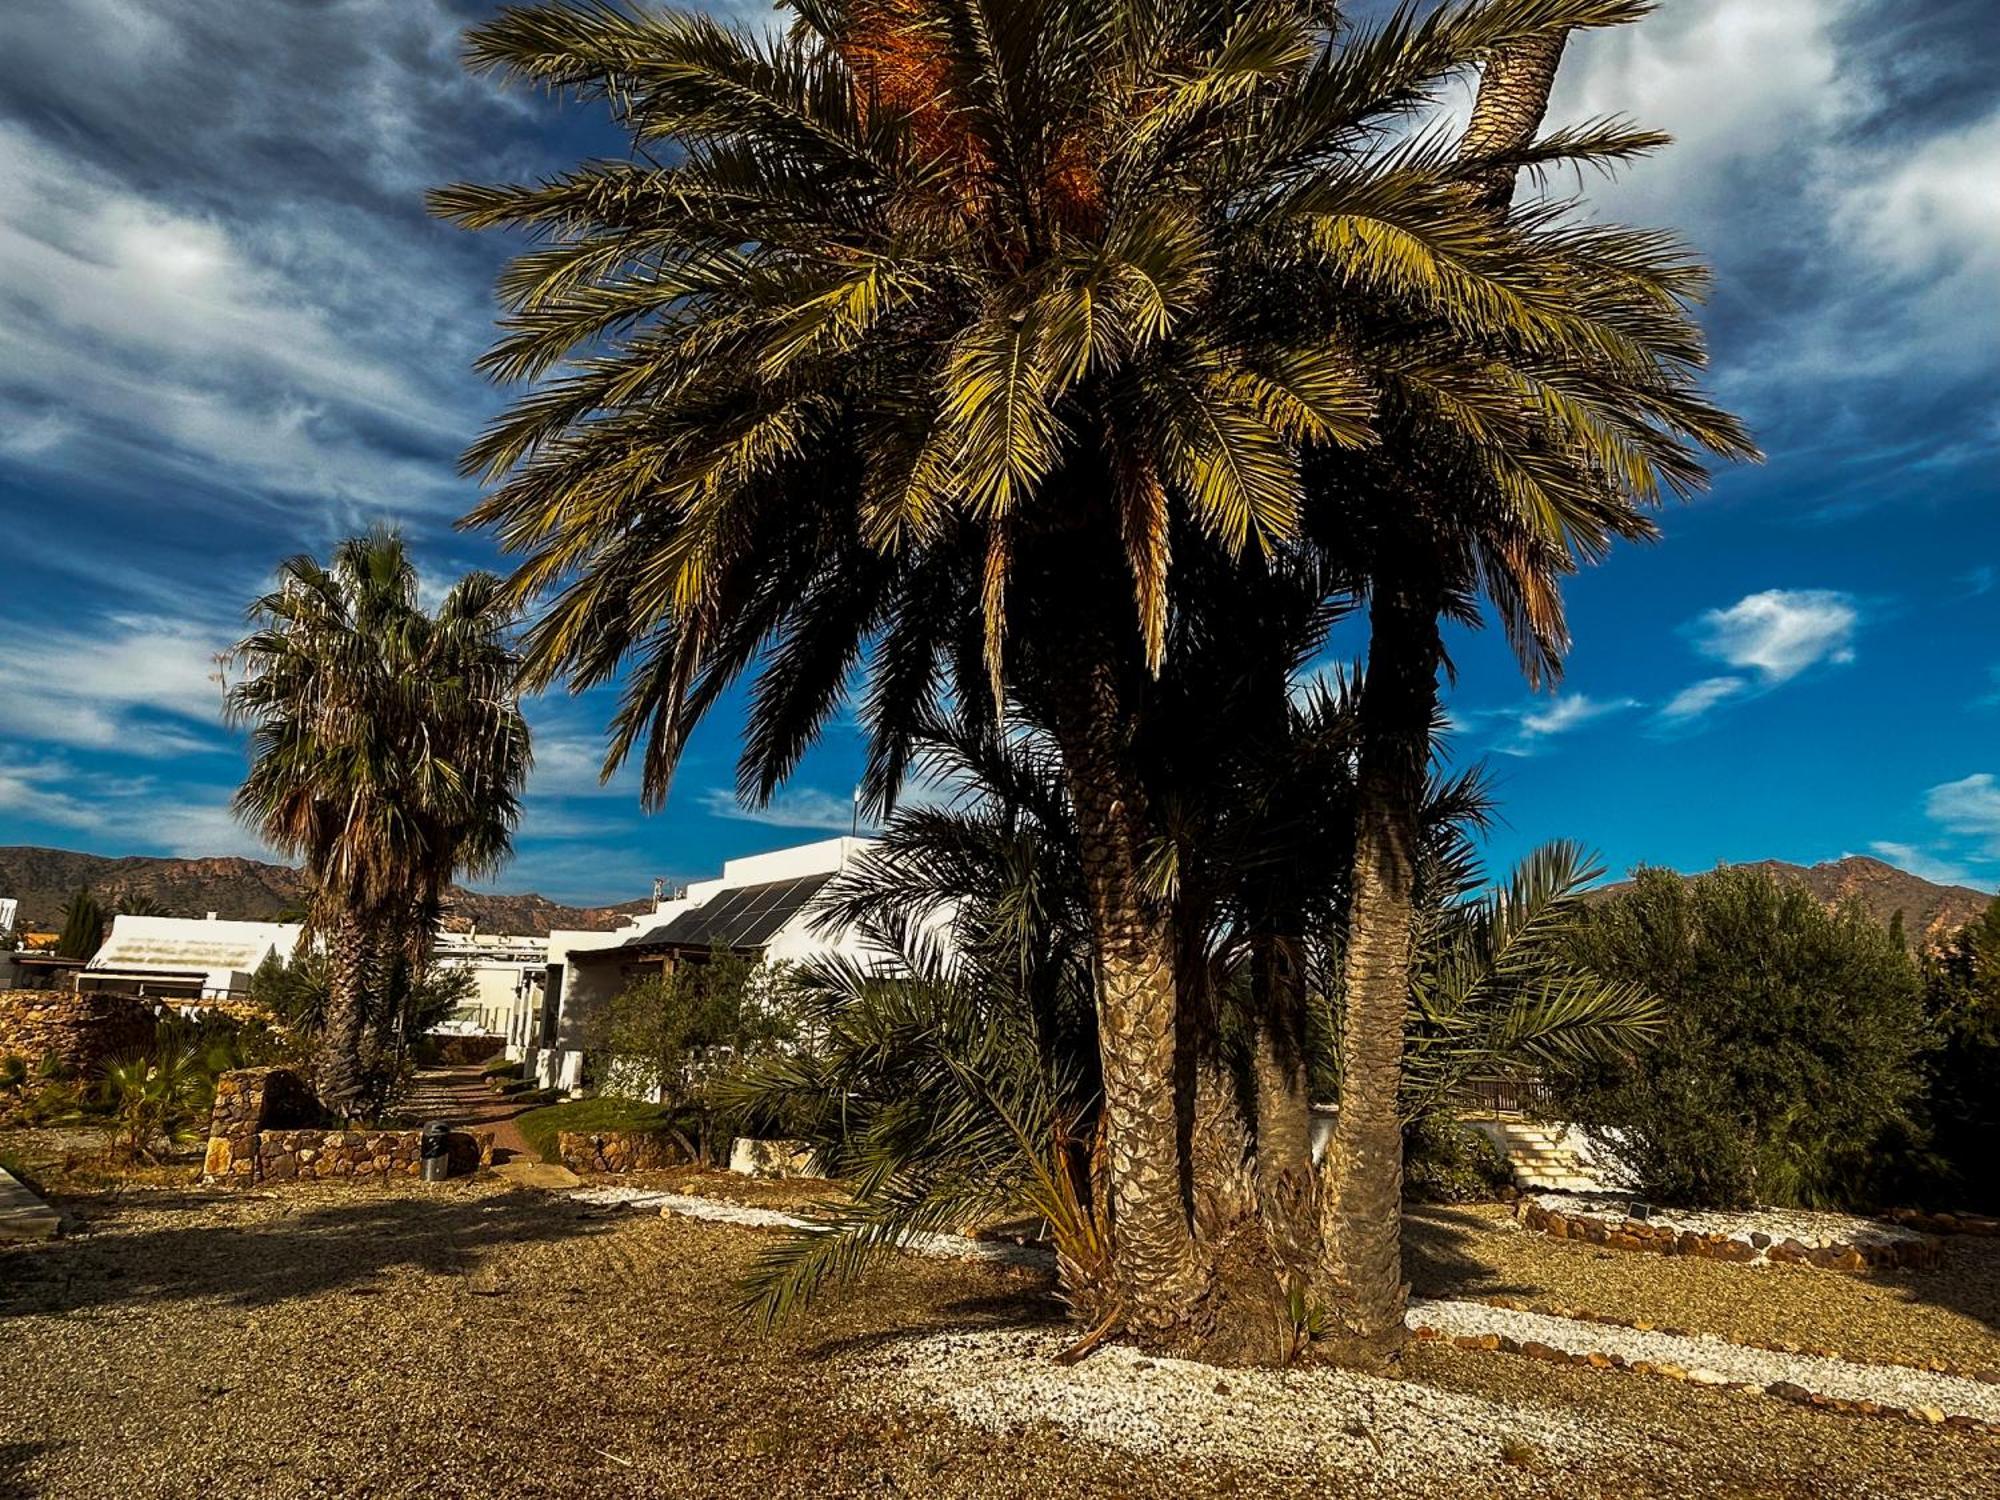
{"x": 508, "y": 972}
{"x": 762, "y": 906}
{"x": 182, "y": 958}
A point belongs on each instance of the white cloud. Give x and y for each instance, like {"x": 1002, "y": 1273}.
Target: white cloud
{"x": 1918, "y": 863}
{"x": 28, "y": 789}
{"x": 800, "y": 807}
{"x": 144, "y": 685}
{"x": 1780, "y": 632}
{"x": 1969, "y": 807}
{"x": 1697, "y": 698}
{"x": 1534, "y": 727}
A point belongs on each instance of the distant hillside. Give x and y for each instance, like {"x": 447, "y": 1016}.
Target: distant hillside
{"x": 247, "y": 890}
{"x": 1931, "y": 912}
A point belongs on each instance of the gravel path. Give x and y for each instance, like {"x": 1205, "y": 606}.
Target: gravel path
{"x": 1705, "y": 1355}
{"x": 722, "y": 1211}
{"x": 1301, "y": 1425}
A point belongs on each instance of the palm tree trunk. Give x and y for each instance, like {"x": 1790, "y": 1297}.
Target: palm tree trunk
{"x": 1154, "y": 1260}
{"x": 1513, "y": 98}
{"x": 1361, "y": 1190}
{"x": 339, "y": 1074}
{"x": 1362, "y": 1180}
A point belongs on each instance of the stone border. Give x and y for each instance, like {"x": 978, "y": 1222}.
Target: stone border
{"x": 1982, "y": 1225}
{"x": 1783, "y": 1390}
{"x": 1754, "y": 1248}
{"x": 1986, "y": 1375}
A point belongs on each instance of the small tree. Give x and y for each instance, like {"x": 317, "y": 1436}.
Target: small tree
{"x": 82, "y": 926}
{"x": 661, "y": 1035}
{"x": 1962, "y": 1069}
{"x": 1790, "y": 1052}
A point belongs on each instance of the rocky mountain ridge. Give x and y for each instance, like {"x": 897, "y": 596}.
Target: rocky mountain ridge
{"x": 248, "y": 890}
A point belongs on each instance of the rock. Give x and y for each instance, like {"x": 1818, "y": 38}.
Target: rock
{"x": 1706, "y": 1377}
{"x": 1929, "y": 1415}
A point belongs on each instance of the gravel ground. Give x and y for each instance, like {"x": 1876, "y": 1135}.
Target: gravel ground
{"x": 1951, "y": 1312}
{"x": 1706, "y": 1355}
{"x": 469, "y": 1340}
{"x": 1808, "y": 1228}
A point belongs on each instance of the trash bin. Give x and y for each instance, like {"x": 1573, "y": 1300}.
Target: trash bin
{"x": 434, "y": 1149}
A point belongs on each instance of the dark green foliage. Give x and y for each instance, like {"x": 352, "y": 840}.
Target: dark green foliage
{"x": 1447, "y": 1162}
{"x": 1962, "y": 1068}
{"x": 663, "y": 1033}
{"x": 83, "y": 926}
{"x": 1790, "y": 1057}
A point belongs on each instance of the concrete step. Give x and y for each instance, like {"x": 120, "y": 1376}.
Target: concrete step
{"x": 23, "y": 1216}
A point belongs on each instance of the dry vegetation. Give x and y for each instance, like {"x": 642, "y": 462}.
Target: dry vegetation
{"x": 479, "y": 1340}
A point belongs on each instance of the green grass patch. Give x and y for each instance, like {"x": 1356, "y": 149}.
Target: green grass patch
{"x": 541, "y": 1126}
{"x": 500, "y": 1067}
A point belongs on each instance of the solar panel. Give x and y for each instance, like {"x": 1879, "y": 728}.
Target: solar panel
{"x": 747, "y": 916}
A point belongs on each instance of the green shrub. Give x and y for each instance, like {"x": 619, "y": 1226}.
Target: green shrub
{"x": 1962, "y": 1070}
{"x": 1445, "y": 1161}
{"x": 1788, "y": 1070}
{"x": 541, "y": 1126}
{"x": 500, "y": 1067}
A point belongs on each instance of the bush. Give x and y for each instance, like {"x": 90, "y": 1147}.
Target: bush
{"x": 541, "y": 1126}
{"x": 1962, "y": 1070}
{"x": 1788, "y": 1068}
{"x": 500, "y": 1067}
{"x": 1448, "y": 1162}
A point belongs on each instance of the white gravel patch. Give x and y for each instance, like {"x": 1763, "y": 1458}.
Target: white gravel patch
{"x": 1703, "y": 1355}
{"x": 1810, "y": 1229}
{"x": 723, "y": 1211}
{"x": 1298, "y": 1424}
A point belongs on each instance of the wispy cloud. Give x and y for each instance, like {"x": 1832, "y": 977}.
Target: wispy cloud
{"x": 1697, "y": 698}
{"x": 143, "y": 685}
{"x": 1534, "y": 726}
{"x": 798, "y": 807}
{"x": 1780, "y": 632}
{"x": 1969, "y": 807}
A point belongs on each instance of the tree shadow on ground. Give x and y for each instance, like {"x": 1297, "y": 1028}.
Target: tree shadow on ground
{"x": 258, "y": 1260}
{"x": 1441, "y": 1254}
{"x": 14, "y": 1461}
{"x": 1030, "y": 1305}
{"x": 1965, "y": 1281}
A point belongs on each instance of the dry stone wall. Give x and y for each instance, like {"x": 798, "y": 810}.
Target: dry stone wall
{"x": 266, "y": 1128}
{"x": 617, "y": 1150}
{"x": 82, "y": 1030}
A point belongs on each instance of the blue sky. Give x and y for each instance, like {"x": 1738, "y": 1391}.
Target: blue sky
{"x": 228, "y": 332}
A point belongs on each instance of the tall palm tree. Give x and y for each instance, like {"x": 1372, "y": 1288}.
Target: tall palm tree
{"x": 947, "y": 1091}
{"x": 940, "y": 340}
{"x": 1453, "y": 504}
{"x": 388, "y": 754}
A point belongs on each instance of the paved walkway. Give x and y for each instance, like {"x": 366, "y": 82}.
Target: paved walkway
{"x": 460, "y": 1097}
{"x": 23, "y": 1216}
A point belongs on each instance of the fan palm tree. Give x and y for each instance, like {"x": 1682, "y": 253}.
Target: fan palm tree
{"x": 940, "y": 339}
{"x": 388, "y": 754}
{"x": 1502, "y": 496}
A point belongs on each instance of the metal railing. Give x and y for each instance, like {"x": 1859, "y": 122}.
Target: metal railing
{"x": 1501, "y": 1096}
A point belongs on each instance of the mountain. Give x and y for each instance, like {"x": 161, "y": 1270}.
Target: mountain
{"x": 248, "y": 890}
{"x": 1931, "y": 912}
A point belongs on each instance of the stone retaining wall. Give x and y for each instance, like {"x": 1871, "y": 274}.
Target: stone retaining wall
{"x": 1754, "y": 1248}
{"x": 1944, "y": 1223}
{"x": 267, "y": 1127}
{"x": 618, "y": 1150}
{"x": 82, "y": 1030}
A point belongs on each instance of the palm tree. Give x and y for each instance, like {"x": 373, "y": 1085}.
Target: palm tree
{"x": 950, "y": 1092}
{"x": 942, "y": 341}
{"x": 388, "y": 755}
{"x": 1503, "y": 501}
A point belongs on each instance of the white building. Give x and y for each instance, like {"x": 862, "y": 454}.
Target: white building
{"x": 762, "y": 906}
{"x": 180, "y": 958}
{"x": 508, "y": 971}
